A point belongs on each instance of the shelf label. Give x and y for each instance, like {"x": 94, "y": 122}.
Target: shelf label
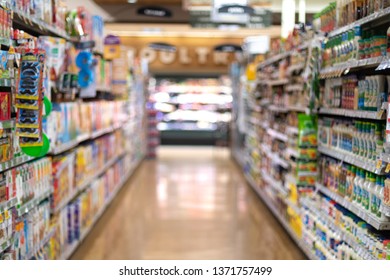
{"x": 379, "y": 164}
{"x": 387, "y": 170}
{"x": 6, "y": 215}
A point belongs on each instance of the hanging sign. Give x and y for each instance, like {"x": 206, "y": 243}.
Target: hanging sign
{"x": 236, "y": 9}
{"x": 154, "y": 11}
{"x": 220, "y": 11}
{"x": 112, "y": 46}
{"x": 261, "y": 18}
{"x": 228, "y": 48}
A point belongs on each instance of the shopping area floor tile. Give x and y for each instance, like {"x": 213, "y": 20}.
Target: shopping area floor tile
{"x": 190, "y": 203}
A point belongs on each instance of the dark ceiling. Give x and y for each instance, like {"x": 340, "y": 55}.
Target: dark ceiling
{"x": 123, "y": 12}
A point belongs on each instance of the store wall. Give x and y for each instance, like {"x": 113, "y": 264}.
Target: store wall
{"x": 193, "y": 55}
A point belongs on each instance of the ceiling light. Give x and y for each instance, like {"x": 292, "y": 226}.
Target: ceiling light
{"x": 131, "y": 1}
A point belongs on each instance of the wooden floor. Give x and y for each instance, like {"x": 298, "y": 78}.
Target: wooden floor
{"x": 191, "y": 203}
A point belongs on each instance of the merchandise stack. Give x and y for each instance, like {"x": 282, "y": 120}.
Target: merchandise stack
{"x": 66, "y": 149}
{"x": 317, "y": 139}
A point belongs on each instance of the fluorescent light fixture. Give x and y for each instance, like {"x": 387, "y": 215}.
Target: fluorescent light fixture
{"x": 302, "y": 11}
{"x": 288, "y": 17}
{"x": 131, "y": 1}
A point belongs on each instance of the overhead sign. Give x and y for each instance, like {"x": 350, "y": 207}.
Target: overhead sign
{"x": 221, "y": 12}
{"x": 153, "y": 11}
{"x": 236, "y": 9}
{"x": 228, "y": 48}
{"x": 259, "y": 19}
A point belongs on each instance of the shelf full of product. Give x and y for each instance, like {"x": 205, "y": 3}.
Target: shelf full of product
{"x": 49, "y": 201}
{"x": 332, "y": 188}
{"x": 195, "y": 110}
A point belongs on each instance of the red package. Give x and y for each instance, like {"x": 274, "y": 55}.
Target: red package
{"x": 5, "y": 106}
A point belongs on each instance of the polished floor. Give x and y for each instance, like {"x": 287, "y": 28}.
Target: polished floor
{"x": 191, "y": 203}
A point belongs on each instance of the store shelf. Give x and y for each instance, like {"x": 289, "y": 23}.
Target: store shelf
{"x": 274, "y": 59}
{"x": 292, "y": 130}
{"x": 8, "y": 204}
{"x": 240, "y": 159}
{"x": 33, "y": 203}
{"x": 371, "y": 18}
{"x": 42, "y": 243}
{"x": 5, "y": 245}
{"x": 277, "y": 135}
{"x": 361, "y": 250}
{"x": 290, "y": 152}
{"x": 295, "y": 68}
{"x": 272, "y": 182}
{"x": 7, "y": 124}
{"x": 84, "y": 137}
{"x": 36, "y": 27}
{"x": 254, "y": 121}
{"x": 274, "y": 157}
{"x": 79, "y": 189}
{"x": 385, "y": 210}
{"x": 72, "y": 248}
{"x": 15, "y": 162}
{"x": 264, "y": 102}
{"x": 280, "y": 82}
{"x": 351, "y": 159}
{"x": 297, "y": 108}
{"x": 281, "y": 220}
{"x": 353, "y": 113}
{"x": 361, "y": 213}
{"x": 344, "y": 68}
{"x": 64, "y": 147}
{"x": 278, "y": 109}
{"x": 254, "y": 107}
{"x": 294, "y": 87}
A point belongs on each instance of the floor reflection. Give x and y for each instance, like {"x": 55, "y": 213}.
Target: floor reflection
{"x": 191, "y": 203}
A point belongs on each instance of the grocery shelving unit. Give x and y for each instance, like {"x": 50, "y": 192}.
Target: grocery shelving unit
{"x": 132, "y": 154}
{"x": 269, "y": 170}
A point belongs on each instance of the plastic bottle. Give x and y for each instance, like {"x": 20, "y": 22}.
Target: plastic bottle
{"x": 370, "y": 144}
{"x": 381, "y": 93}
{"x": 385, "y": 199}
{"x": 351, "y": 182}
{"x": 374, "y": 195}
{"x": 370, "y": 191}
{"x": 356, "y": 187}
{"x": 360, "y": 187}
{"x": 362, "y": 147}
{"x": 365, "y": 140}
{"x": 378, "y": 139}
{"x": 365, "y": 190}
{"x": 381, "y": 198}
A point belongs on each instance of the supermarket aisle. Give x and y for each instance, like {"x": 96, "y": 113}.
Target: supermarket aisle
{"x": 192, "y": 203}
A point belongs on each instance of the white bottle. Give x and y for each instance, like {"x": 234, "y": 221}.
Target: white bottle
{"x": 370, "y": 191}
{"x": 375, "y": 196}
{"x": 380, "y": 201}
{"x": 365, "y": 191}
{"x": 361, "y": 188}
{"x": 356, "y": 187}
